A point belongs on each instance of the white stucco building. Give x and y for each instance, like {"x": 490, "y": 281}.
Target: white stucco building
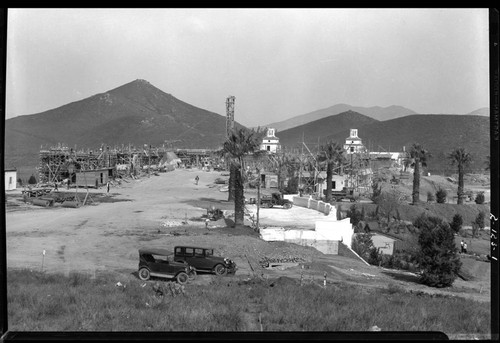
{"x": 10, "y": 179}
{"x": 270, "y": 142}
{"x": 353, "y": 143}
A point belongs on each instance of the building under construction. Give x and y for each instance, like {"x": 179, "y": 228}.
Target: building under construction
{"x": 87, "y": 167}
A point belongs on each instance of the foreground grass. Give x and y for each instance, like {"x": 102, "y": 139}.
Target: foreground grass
{"x": 49, "y": 302}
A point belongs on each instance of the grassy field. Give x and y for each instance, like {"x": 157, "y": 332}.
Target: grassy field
{"x": 78, "y": 302}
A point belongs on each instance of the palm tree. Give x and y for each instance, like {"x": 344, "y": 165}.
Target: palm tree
{"x": 239, "y": 143}
{"x": 330, "y": 154}
{"x": 462, "y": 159}
{"x": 283, "y": 163}
{"x": 419, "y": 158}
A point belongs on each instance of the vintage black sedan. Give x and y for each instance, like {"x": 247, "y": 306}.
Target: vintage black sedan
{"x": 203, "y": 260}
{"x": 160, "y": 263}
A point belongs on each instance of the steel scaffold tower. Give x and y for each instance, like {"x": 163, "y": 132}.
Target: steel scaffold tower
{"x": 229, "y": 115}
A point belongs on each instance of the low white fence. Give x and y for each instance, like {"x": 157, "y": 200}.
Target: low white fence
{"x": 309, "y": 202}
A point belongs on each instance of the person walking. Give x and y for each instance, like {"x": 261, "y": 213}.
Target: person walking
{"x": 462, "y": 246}
{"x": 107, "y": 187}
{"x": 465, "y": 248}
{"x": 196, "y": 179}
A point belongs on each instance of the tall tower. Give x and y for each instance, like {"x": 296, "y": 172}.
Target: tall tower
{"x": 229, "y": 115}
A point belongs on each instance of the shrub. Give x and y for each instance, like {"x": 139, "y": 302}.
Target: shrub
{"x": 438, "y": 256}
{"x": 480, "y": 220}
{"x": 376, "y": 191}
{"x": 355, "y": 215}
{"x": 362, "y": 244}
{"x": 479, "y": 198}
{"x": 456, "y": 222}
{"x": 32, "y": 180}
{"x": 430, "y": 197}
{"x": 441, "y": 196}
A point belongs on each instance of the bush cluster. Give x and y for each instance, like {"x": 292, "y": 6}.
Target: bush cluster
{"x": 479, "y": 198}
{"x": 441, "y": 196}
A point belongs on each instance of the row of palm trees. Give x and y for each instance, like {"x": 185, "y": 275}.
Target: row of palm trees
{"x": 243, "y": 142}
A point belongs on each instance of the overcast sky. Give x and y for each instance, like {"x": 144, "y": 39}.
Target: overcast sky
{"x": 278, "y": 63}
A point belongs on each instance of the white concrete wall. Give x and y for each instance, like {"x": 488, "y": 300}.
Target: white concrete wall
{"x": 10, "y": 180}
{"x": 322, "y": 237}
{"x": 340, "y": 230}
{"x": 318, "y": 205}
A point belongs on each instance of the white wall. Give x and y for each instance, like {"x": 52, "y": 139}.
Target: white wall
{"x": 10, "y": 180}
{"x": 319, "y": 238}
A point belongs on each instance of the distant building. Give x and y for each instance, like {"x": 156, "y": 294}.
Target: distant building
{"x": 10, "y": 179}
{"x": 270, "y": 143}
{"x": 93, "y": 178}
{"x": 384, "y": 243}
{"x": 353, "y": 143}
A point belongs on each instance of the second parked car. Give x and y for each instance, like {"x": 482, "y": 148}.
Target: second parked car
{"x": 203, "y": 260}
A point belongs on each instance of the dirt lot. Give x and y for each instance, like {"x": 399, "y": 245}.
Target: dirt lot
{"x": 165, "y": 211}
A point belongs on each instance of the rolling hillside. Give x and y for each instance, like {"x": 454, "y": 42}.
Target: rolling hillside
{"x": 376, "y": 112}
{"x": 136, "y": 113}
{"x": 439, "y": 134}
{"x": 322, "y": 128}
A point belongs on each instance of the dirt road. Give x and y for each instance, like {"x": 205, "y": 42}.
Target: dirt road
{"x": 165, "y": 211}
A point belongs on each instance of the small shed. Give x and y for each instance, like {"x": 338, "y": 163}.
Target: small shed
{"x": 93, "y": 178}
{"x": 384, "y": 243}
{"x": 269, "y": 180}
{"x": 10, "y": 179}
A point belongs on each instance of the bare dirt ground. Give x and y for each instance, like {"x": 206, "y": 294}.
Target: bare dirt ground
{"x": 165, "y": 211}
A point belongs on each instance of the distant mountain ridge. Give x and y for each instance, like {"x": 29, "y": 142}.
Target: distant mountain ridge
{"x": 375, "y": 112}
{"x": 438, "y": 133}
{"x": 135, "y": 113}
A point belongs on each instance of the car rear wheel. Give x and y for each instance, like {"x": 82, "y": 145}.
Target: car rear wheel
{"x": 144, "y": 274}
{"x": 192, "y": 275}
{"x": 269, "y": 205}
{"x": 220, "y": 270}
{"x": 182, "y": 278}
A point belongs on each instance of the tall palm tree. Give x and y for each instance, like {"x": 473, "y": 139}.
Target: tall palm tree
{"x": 283, "y": 163}
{"x": 330, "y": 154}
{"x": 462, "y": 159}
{"x": 419, "y": 158}
{"x": 240, "y": 143}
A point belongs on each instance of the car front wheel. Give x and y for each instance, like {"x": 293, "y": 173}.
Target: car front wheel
{"x": 287, "y": 205}
{"x": 182, "y": 278}
{"x": 144, "y": 274}
{"x": 220, "y": 270}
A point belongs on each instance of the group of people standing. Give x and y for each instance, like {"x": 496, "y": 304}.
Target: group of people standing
{"x": 463, "y": 247}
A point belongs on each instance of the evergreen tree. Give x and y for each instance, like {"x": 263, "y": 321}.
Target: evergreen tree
{"x": 438, "y": 256}
{"x": 456, "y": 222}
{"x": 32, "y": 180}
{"x": 441, "y": 195}
{"x": 480, "y": 220}
{"x": 479, "y": 198}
